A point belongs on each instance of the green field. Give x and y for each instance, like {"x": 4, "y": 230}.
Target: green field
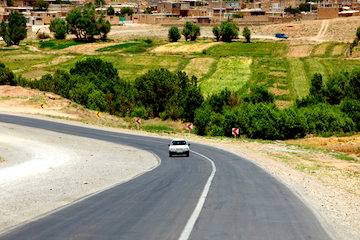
{"x": 235, "y": 66}
{"x": 231, "y": 72}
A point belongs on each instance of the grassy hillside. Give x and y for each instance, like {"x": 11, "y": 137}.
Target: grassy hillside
{"x": 234, "y": 65}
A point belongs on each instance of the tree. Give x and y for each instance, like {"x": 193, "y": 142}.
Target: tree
{"x": 228, "y": 31}
{"x": 216, "y": 32}
{"x": 99, "y": 3}
{"x": 247, "y": 34}
{"x": 292, "y": 10}
{"x": 168, "y": 95}
{"x": 15, "y": 30}
{"x": 304, "y": 7}
{"x": 41, "y": 5}
{"x": 316, "y": 85}
{"x": 191, "y": 31}
{"x": 260, "y": 94}
{"x": 10, "y": 3}
{"x": 174, "y": 34}
{"x": 59, "y": 27}
{"x": 148, "y": 10}
{"x": 85, "y": 24}
{"x": 104, "y": 27}
{"x": 110, "y": 11}
{"x": 126, "y": 10}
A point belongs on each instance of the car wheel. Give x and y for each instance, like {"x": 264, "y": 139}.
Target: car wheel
{"x": 187, "y": 154}
{"x": 170, "y": 155}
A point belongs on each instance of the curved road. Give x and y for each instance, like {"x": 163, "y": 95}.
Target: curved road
{"x": 243, "y": 201}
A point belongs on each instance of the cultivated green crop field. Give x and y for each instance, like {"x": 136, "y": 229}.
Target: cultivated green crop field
{"x": 235, "y": 66}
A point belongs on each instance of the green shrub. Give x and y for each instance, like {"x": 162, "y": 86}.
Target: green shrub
{"x": 316, "y": 85}
{"x": 354, "y": 84}
{"x": 139, "y": 111}
{"x": 173, "y": 95}
{"x": 174, "y": 34}
{"x": 352, "y": 108}
{"x": 247, "y": 34}
{"x": 259, "y": 94}
{"x": 7, "y": 77}
{"x": 203, "y": 116}
{"x": 158, "y": 128}
{"x": 324, "y": 118}
{"x": 219, "y": 100}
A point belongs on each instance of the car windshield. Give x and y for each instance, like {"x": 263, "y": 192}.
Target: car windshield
{"x": 178, "y": 142}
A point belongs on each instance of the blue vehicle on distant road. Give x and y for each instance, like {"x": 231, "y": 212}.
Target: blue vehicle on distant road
{"x": 281, "y": 35}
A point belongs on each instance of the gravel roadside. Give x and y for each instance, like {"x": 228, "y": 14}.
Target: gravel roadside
{"x": 44, "y": 170}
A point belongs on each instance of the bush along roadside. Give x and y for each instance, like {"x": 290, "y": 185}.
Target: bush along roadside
{"x": 332, "y": 108}
{"x": 96, "y": 84}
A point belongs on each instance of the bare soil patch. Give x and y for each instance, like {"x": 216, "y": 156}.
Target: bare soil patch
{"x": 293, "y": 29}
{"x": 279, "y": 91}
{"x": 300, "y": 50}
{"x": 283, "y": 104}
{"x": 342, "y": 29}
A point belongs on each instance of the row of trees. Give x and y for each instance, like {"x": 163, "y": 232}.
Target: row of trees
{"x": 96, "y": 84}
{"x": 110, "y": 11}
{"x": 329, "y": 108}
{"x": 83, "y": 22}
{"x": 303, "y": 7}
{"x": 226, "y": 31}
{"x": 190, "y": 32}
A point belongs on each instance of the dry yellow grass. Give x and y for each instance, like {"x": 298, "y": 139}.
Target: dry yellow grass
{"x": 199, "y": 66}
{"x": 320, "y": 50}
{"x": 338, "y": 50}
{"x": 278, "y": 91}
{"x": 349, "y": 145}
{"x": 184, "y": 47}
{"x": 283, "y": 104}
{"x": 300, "y": 50}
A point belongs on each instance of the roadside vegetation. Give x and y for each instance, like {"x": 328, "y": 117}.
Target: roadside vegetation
{"x": 328, "y": 109}
{"x": 244, "y": 77}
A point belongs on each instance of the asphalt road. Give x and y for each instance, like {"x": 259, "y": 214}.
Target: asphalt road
{"x": 243, "y": 201}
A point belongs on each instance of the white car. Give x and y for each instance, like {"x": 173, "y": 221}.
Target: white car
{"x": 179, "y": 147}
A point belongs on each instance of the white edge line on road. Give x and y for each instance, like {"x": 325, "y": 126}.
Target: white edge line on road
{"x": 185, "y": 234}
